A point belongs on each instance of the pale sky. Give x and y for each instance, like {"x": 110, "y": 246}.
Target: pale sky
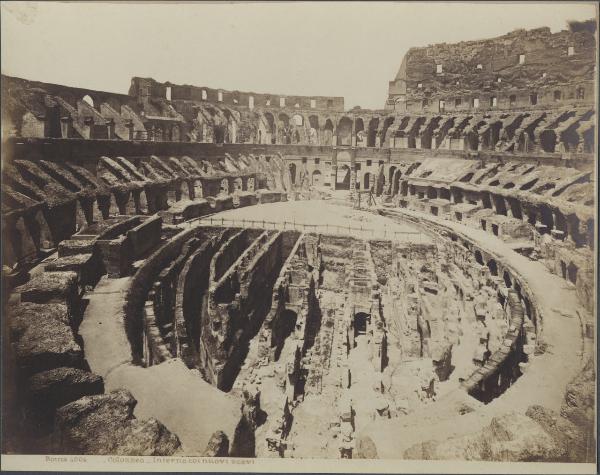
{"x": 327, "y": 49}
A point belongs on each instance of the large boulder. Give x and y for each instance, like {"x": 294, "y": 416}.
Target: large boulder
{"x": 511, "y": 437}
{"x": 579, "y": 397}
{"x": 579, "y": 408}
{"x": 51, "y": 389}
{"x": 567, "y": 435}
{"x": 53, "y": 287}
{"x": 218, "y": 445}
{"x": 49, "y": 287}
{"x": 105, "y": 424}
{"x": 43, "y": 338}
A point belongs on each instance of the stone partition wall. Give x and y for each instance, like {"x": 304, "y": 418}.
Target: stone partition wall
{"x": 232, "y": 320}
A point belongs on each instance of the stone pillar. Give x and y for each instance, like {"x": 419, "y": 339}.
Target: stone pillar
{"x": 129, "y": 126}
{"x": 334, "y": 168}
{"x": 66, "y": 127}
{"x": 89, "y": 124}
{"x": 353, "y": 134}
{"x": 110, "y": 127}
{"x": 352, "y": 171}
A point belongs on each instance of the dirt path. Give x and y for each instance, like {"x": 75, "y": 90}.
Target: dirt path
{"x": 170, "y": 392}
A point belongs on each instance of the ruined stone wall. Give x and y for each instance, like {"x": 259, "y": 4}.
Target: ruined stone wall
{"x": 498, "y": 73}
{"x": 237, "y": 307}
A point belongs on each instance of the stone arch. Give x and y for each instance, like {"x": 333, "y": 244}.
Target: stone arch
{"x": 250, "y": 184}
{"x": 493, "y": 267}
{"x": 359, "y": 130}
{"x": 271, "y": 128}
{"x": 507, "y": 279}
{"x": 184, "y": 190}
{"x": 478, "y": 257}
{"x": 237, "y": 185}
{"x": 342, "y": 180}
{"x": 367, "y": 181}
{"x": 88, "y": 100}
{"x": 359, "y": 323}
{"x": 175, "y": 134}
{"x": 219, "y": 133}
{"x": 284, "y": 119}
{"x": 546, "y": 217}
{"x": 391, "y": 172}
{"x": 548, "y": 140}
{"x": 292, "y": 167}
{"x": 327, "y": 132}
{"x": 372, "y": 132}
{"x": 224, "y": 189}
{"x": 298, "y": 120}
{"x": 396, "y": 182}
{"x": 344, "y": 131}
{"x": 198, "y": 191}
{"x": 284, "y": 128}
{"x": 313, "y": 133}
{"x": 386, "y": 125}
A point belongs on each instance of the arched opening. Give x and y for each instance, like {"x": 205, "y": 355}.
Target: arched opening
{"x": 546, "y": 217}
{"x": 386, "y": 125}
{"x": 572, "y": 273}
{"x": 367, "y": 181}
{"x": 344, "y": 131}
{"x": 317, "y": 178}
{"x": 507, "y": 279}
{"x": 284, "y": 129}
{"x": 237, "y": 185}
{"x": 396, "y": 182}
{"x": 250, "y": 184}
{"x": 219, "y": 133}
{"x": 404, "y": 188}
{"x": 372, "y": 132}
{"x": 499, "y": 204}
{"x": 557, "y": 96}
{"x": 493, "y": 267}
{"x": 224, "y": 190}
{"x": 88, "y": 100}
{"x": 292, "y": 167}
{"x": 360, "y": 324}
{"x": 313, "y": 137}
{"x": 548, "y": 140}
{"x": 298, "y": 120}
{"x": 359, "y": 130}
{"x": 391, "y": 172}
{"x": 342, "y": 181}
{"x": 270, "y": 128}
{"x": 328, "y": 132}
{"x": 478, "y": 258}
{"x": 485, "y": 199}
{"x": 198, "y": 193}
{"x": 515, "y": 207}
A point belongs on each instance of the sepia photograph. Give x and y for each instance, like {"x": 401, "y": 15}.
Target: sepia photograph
{"x": 336, "y": 237}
